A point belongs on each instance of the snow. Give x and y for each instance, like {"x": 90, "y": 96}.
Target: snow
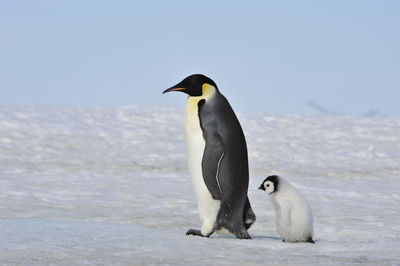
{"x": 97, "y": 186}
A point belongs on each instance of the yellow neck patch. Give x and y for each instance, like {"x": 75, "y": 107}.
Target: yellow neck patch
{"x": 207, "y": 90}
{"x": 192, "y": 101}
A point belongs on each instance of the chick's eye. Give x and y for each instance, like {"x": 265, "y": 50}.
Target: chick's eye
{"x": 268, "y": 185}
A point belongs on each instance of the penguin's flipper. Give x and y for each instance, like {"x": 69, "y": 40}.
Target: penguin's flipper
{"x": 285, "y": 212}
{"x": 212, "y": 157}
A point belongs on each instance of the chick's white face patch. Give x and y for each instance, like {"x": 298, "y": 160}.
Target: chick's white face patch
{"x": 269, "y": 187}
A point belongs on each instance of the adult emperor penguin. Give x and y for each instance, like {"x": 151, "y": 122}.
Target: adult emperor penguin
{"x": 217, "y": 159}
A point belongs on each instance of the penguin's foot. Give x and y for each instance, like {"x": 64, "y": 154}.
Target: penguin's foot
{"x": 194, "y": 232}
{"x": 242, "y": 235}
{"x": 238, "y": 231}
{"x": 310, "y": 240}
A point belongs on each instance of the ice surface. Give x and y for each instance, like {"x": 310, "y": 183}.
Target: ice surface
{"x": 103, "y": 186}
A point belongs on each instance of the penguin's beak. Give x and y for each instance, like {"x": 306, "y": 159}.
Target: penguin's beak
{"x": 261, "y": 187}
{"x": 174, "y": 89}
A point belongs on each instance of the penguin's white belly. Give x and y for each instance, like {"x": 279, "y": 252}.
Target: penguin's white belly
{"x": 300, "y": 225}
{"x": 296, "y": 231}
{"x": 195, "y": 145}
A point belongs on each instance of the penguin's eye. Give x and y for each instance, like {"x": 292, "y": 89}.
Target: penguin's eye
{"x": 268, "y": 185}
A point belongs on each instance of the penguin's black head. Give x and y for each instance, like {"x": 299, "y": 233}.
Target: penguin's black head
{"x": 270, "y": 184}
{"x": 193, "y": 85}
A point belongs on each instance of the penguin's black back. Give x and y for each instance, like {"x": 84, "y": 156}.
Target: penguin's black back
{"x": 225, "y": 144}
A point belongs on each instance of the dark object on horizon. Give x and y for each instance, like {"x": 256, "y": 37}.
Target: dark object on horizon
{"x": 323, "y": 110}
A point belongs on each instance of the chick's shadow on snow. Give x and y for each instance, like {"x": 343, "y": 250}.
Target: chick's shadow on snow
{"x": 267, "y": 237}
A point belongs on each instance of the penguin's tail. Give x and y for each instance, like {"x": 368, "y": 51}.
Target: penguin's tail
{"x": 232, "y": 221}
{"x": 249, "y": 216}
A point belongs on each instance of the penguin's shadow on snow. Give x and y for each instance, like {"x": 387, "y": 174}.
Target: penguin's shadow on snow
{"x": 253, "y": 237}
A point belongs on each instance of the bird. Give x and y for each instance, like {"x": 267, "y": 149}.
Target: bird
{"x": 217, "y": 159}
{"x": 293, "y": 215}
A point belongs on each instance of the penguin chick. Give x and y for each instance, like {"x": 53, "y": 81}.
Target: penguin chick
{"x": 294, "y": 219}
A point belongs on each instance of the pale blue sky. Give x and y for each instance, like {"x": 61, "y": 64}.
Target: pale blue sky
{"x": 265, "y": 56}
